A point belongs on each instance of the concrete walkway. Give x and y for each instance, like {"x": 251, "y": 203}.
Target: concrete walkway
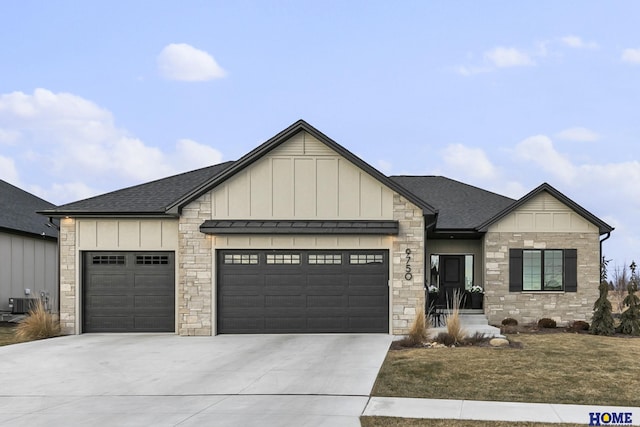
{"x": 494, "y": 411}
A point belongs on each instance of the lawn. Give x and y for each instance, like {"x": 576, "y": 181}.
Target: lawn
{"x": 6, "y": 334}
{"x": 550, "y": 368}
{"x": 412, "y": 422}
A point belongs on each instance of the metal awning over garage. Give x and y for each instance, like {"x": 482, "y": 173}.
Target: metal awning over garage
{"x": 226, "y": 227}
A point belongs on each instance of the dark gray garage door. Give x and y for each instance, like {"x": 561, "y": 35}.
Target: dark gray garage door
{"x": 302, "y": 291}
{"x": 129, "y": 292}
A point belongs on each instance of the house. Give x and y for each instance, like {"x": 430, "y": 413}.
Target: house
{"x": 300, "y": 235}
{"x": 28, "y": 250}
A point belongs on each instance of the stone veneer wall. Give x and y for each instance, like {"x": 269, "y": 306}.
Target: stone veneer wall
{"x": 195, "y": 278}
{"x": 407, "y": 295}
{"x": 68, "y": 283}
{"x": 527, "y": 307}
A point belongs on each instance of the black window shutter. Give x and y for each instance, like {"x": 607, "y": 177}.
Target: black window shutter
{"x": 515, "y": 270}
{"x": 571, "y": 270}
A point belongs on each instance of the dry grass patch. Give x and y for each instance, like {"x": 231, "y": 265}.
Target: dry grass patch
{"x": 7, "y": 334}
{"x": 413, "y": 422}
{"x": 550, "y": 368}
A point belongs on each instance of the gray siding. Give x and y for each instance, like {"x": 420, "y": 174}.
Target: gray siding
{"x": 27, "y": 263}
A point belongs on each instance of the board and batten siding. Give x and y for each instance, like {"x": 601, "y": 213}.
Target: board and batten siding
{"x": 27, "y": 263}
{"x": 302, "y": 179}
{"x": 127, "y": 234}
{"x": 544, "y": 213}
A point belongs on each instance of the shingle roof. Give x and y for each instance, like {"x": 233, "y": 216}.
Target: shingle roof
{"x": 460, "y": 206}
{"x": 150, "y": 198}
{"x": 19, "y": 211}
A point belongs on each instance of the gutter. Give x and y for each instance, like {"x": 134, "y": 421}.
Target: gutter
{"x": 602, "y": 241}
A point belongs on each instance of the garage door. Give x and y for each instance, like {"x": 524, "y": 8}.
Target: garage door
{"x": 302, "y": 291}
{"x": 129, "y": 292}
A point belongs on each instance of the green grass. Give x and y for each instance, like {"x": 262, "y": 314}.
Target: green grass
{"x": 412, "y": 422}
{"x": 550, "y": 368}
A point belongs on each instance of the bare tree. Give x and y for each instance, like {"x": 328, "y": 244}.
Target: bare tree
{"x": 620, "y": 279}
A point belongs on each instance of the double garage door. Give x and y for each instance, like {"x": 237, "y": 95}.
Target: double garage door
{"x": 257, "y": 291}
{"x": 302, "y": 291}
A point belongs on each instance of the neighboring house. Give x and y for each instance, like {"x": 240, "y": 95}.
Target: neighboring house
{"x": 28, "y": 249}
{"x": 300, "y": 235}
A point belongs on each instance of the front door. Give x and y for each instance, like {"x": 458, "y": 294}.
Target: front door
{"x": 451, "y": 277}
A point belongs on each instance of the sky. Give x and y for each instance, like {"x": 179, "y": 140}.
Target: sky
{"x": 97, "y": 96}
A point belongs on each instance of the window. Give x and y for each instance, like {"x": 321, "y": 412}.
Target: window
{"x": 283, "y": 258}
{"x": 241, "y": 258}
{"x": 152, "y": 259}
{"x": 108, "y": 259}
{"x": 543, "y": 270}
{"x": 366, "y": 259}
{"x": 325, "y": 259}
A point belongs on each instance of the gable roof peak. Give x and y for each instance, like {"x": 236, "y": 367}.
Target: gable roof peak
{"x": 283, "y": 136}
{"x": 603, "y": 227}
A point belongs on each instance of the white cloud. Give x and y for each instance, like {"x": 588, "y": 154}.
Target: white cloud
{"x": 194, "y": 155}
{"x": 470, "y": 71}
{"x": 70, "y": 142}
{"x": 503, "y": 57}
{"x": 577, "y": 43}
{"x": 539, "y": 150}
{"x": 472, "y": 162}
{"x": 631, "y": 56}
{"x": 180, "y": 61}
{"x": 9, "y": 137}
{"x": 578, "y": 134}
{"x": 8, "y": 171}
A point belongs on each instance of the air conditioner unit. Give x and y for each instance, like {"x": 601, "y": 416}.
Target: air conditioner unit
{"x": 22, "y": 305}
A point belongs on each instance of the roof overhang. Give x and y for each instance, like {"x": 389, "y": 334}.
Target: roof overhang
{"x": 105, "y": 214}
{"x": 229, "y": 227}
{"x": 454, "y": 234}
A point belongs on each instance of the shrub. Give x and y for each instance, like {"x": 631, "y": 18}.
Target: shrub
{"x": 445, "y": 338}
{"x": 476, "y": 338}
{"x": 509, "y": 321}
{"x": 579, "y": 325}
{"x": 38, "y": 324}
{"x": 602, "y": 321}
{"x": 545, "y": 322}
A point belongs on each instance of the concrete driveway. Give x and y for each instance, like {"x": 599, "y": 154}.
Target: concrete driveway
{"x": 166, "y": 380}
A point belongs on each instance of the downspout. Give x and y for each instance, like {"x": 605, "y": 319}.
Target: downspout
{"x": 52, "y": 224}
{"x": 601, "y": 242}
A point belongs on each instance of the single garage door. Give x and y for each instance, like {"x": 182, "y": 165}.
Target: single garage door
{"x": 129, "y": 292}
{"x": 302, "y": 291}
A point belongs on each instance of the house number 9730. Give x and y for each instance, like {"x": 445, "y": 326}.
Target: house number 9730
{"x": 407, "y": 268}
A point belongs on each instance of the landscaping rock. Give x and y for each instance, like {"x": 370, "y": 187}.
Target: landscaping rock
{"x": 499, "y": 342}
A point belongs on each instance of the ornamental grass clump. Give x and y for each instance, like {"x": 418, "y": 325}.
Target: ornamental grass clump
{"x": 454, "y": 326}
{"x": 39, "y": 324}
{"x": 419, "y": 331}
